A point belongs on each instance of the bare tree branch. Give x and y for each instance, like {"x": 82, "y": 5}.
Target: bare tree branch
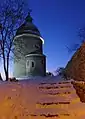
{"x": 11, "y": 17}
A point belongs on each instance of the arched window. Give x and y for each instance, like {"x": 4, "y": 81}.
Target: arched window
{"x": 37, "y": 46}
{"x": 32, "y": 64}
{"x": 42, "y": 61}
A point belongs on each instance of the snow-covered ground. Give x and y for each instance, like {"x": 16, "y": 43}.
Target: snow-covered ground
{"x": 41, "y": 79}
{"x": 40, "y": 98}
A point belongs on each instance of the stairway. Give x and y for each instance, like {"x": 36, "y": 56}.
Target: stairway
{"x": 40, "y": 99}
{"x": 57, "y": 100}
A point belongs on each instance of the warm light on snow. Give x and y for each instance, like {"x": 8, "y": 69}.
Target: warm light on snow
{"x": 26, "y": 100}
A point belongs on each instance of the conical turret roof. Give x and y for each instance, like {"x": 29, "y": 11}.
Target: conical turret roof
{"x": 28, "y": 27}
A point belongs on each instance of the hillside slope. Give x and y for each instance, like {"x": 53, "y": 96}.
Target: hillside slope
{"x": 76, "y": 66}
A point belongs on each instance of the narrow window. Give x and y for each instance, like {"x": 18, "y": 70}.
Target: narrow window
{"x": 32, "y": 64}
{"x": 42, "y": 62}
{"x": 37, "y": 46}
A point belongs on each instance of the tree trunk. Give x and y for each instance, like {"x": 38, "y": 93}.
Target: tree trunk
{"x": 6, "y": 67}
{"x": 7, "y": 76}
{"x": 6, "y": 73}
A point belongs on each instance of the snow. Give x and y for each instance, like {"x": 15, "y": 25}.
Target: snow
{"x": 26, "y": 100}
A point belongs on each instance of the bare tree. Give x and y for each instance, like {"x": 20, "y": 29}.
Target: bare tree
{"x": 62, "y": 72}
{"x": 75, "y": 46}
{"x": 59, "y": 71}
{"x": 11, "y": 17}
{"x": 1, "y": 77}
{"x": 49, "y": 74}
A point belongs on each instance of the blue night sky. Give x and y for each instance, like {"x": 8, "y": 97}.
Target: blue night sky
{"x": 59, "y": 22}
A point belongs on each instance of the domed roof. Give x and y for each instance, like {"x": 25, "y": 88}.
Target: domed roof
{"x": 28, "y": 27}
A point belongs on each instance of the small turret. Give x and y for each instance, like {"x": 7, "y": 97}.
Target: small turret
{"x": 28, "y": 27}
{"x": 29, "y": 18}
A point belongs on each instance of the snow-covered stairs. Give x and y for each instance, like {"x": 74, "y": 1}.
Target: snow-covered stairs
{"x": 56, "y": 100}
{"x": 40, "y": 99}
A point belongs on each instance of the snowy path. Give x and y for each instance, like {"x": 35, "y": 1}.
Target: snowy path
{"x": 40, "y": 99}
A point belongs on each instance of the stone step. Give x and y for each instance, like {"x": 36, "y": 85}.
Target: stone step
{"x": 50, "y": 116}
{"x": 58, "y": 95}
{"x": 44, "y": 84}
{"x": 54, "y": 87}
{"x": 57, "y": 82}
{"x": 51, "y": 112}
{"x": 52, "y": 105}
{"x": 58, "y": 91}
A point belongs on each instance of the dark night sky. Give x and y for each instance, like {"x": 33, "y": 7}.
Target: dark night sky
{"x": 59, "y": 22}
